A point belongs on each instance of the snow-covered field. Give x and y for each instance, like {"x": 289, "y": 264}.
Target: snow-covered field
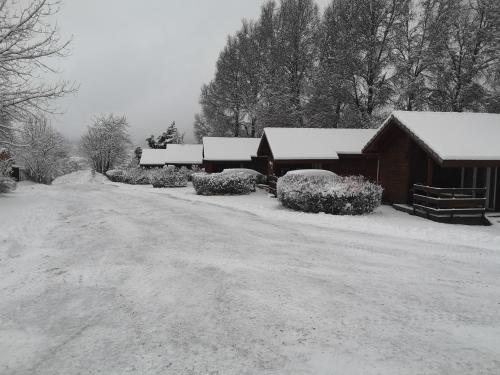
{"x": 97, "y": 277}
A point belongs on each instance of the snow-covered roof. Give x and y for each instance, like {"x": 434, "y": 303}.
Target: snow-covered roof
{"x": 230, "y": 148}
{"x": 174, "y": 154}
{"x": 314, "y": 143}
{"x": 452, "y": 135}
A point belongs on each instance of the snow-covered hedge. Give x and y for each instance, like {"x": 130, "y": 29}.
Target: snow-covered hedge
{"x": 223, "y": 184}
{"x": 327, "y": 193}
{"x": 7, "y": 185}
{"x": 115, "y": 175}
{"x": 169, "y": 176}
{"x": 259, "y": 177}
{"x": 132, "y": 176}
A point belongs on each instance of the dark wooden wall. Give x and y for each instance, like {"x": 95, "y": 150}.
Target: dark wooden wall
{"x": 345, "y": 166}
{"x": 219, "y": 166}
{"x": 394, "y": 167}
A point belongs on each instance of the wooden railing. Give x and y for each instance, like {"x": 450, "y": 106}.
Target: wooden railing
{"x": 450, "y": 202}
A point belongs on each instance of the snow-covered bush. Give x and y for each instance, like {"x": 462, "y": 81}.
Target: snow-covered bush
{"x": 132, "y": 176}
{"x": 223, "y": 184}
{"x": 327, "y": 193}
{"x": 5, "y": 167}
{"x": 259, "y": 177}
{"x": 7, "y": 185}
{"x": 136, "y": 176}
{"x": 168, "y": 176}
{"x": 115, "y": 175}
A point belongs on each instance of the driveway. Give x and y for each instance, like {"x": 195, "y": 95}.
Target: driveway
{"x": 99, "y": 279}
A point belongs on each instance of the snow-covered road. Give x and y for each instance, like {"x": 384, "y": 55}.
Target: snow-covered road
{"x": 100, "y": 279}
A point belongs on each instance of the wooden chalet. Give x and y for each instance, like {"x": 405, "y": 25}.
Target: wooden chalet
{"x": 177, "y": 155}
{"x": 441, "y": 164}
{"x": 337, "y": 150}
{"x": 221, "y": 153}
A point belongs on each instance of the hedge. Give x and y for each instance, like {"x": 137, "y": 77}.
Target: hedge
{"x": 330, "y": 194}
{"x": 223, "y": 184}
{"x": 168, "y": 176}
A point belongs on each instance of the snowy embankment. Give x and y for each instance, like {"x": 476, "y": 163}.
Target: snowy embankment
{"x": 384, "y": 221}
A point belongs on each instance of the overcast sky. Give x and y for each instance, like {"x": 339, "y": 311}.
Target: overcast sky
{"x": 145, "y": 59}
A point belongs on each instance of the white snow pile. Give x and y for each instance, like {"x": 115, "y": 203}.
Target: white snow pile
{"x": 312, "y": 172}
{"x": 223, "y": 183}
{"x": 173, "y": 154}
{"x": 230, "y": 148}
{"x": 259, "y": 177}
{"x": 315, "y": 143}
{"x": 328, "y": 193}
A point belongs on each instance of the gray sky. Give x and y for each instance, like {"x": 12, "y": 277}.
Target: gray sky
{"x": 145, "y": 59}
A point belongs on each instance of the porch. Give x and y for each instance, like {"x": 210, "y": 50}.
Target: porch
{"x": 451, "y": 205}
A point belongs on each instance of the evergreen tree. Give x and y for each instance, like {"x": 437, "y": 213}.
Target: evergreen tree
{"x": 170, "y": 136}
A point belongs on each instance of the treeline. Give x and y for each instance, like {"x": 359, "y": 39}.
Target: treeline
{"x": 354, "y": 64}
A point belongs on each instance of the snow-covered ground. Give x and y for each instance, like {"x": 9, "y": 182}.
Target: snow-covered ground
{"x": 97, "y": 277}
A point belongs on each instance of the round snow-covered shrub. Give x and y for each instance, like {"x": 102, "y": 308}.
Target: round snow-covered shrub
{"x": 7, "y": 185}
{"x": 259, "y": 177}
{"x": 115, "y": 175}
{"x": 223, "y": 184}
{"x": 132, "y": 176}
{"x": 136, "y": 176}
{"x": 331, "y": 194}
{"x": 168, "y": 176}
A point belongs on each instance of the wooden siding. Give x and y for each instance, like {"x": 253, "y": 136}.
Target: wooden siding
{"x": 394, "y": 166}
{"x": 219, "y": 166}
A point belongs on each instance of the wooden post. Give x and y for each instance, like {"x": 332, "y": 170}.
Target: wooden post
{"x": 378, "y": 169}
{"x": 430, "y": 166}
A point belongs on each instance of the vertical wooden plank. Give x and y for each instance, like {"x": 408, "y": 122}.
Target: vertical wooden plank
{"x": 488, "y": 188}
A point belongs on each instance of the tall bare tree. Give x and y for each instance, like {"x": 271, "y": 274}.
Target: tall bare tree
{"x": 44, "y": 148}
{"x": 294, "y": 57}
{"x": 471, "y": 54}
{"x": 106, "y": 142}
{"x": 27, "y": 42}
{"x": 418, "y": 45}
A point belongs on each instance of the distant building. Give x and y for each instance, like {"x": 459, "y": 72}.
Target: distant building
{"x": 221, "y": 153}
{"x": 179, "y": 155}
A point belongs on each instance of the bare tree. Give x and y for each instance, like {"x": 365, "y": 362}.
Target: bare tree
{"x": 27, "y": 42}
{"x": 106, "y": 142}
{"x": 418, "y": 46}
{"x": 470, "y": 56}
{"x": 45, "y": 147}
